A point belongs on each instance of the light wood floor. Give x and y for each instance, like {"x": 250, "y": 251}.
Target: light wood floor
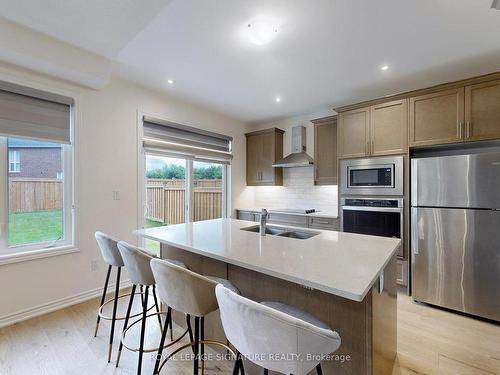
{"x": 430, "y": 341}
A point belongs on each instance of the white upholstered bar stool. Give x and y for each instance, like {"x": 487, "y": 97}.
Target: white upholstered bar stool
{"x": 137, "y": 261}
{"x": 192, "y": 294}
{"x": 263, "y": 332}
{"x": 112, "y": 257}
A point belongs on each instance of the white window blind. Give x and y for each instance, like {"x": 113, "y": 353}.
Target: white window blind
{"x": 160, "y": 136}
{"x": 31, "y": 113}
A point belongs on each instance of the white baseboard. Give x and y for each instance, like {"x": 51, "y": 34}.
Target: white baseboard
{"x": 56, "y": 305}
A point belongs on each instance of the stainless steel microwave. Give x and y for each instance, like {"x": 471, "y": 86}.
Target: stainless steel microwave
{"x": 373, "y": 176}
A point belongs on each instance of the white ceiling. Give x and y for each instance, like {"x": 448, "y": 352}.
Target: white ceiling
{"x": 327, "y": 52}
{"x": 100, "y": 26}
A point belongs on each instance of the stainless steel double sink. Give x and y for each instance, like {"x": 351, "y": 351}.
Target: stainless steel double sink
{"x": 283, "y": 232}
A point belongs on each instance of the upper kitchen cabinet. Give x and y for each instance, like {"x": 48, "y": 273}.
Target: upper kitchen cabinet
{"x": 325, "y": 150}
{"x": 354, "y": 133}
{"x": 376, "y": 130}
{"x": 437, "y": 118}
{"x": 264, "y": 148}
{"x": 389, "y": 128}
{"x": 482, "y": 111}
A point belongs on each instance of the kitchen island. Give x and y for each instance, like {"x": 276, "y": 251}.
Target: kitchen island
{"x": 347, "y": 280}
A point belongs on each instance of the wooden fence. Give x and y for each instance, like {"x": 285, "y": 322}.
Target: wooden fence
{"x": 34, "y": 194}
{"x": 166, "y": 199}
{"x": 167, "y": 204}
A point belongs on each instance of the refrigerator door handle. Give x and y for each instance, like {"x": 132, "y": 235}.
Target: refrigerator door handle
{"x": 414, "y": 231}
{"x": 414, "y": 184}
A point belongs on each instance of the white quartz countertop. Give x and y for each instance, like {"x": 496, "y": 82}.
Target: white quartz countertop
{"x": 343, "y": 264}
{"x": 324, "y": 214}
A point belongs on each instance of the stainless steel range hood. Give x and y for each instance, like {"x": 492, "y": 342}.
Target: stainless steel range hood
{"x": 298, "y": 157}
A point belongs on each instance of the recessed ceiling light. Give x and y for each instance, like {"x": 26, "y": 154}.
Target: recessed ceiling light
{"x": 261, "y": 31}
{"x": 170, "y": 81}
{"x": 277, "y": 99}
{"x": 384, "y": 67}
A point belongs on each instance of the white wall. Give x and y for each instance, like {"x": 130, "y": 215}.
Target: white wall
{"x": 298, "y": 190}
{"x": 106, "y": 155}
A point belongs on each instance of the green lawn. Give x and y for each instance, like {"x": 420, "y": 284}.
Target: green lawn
{"x": 33, "y": 227}
{"x": 42, "y": 226}
{"x": 150, "y": 244}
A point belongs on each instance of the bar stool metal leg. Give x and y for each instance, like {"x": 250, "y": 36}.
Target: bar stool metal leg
{"x": 125, "y": 324}
{"x": 238, "y": 365}
{"x": 162, "y": 340}
{"x": 190, "y": 330}
{"x": 113, "y": 321}
{"x": 157, "y": 305}
{"x": 202, "y": 346}
{"x": 196, "y": 344}
{"x": 143, "y": 329}
{"x": 171, "y": 327}
{"x": 241, "y": 367}
{"x": 103, "y": 298}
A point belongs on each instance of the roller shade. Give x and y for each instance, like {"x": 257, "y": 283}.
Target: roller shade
{"x": 165, "y": 136}
{"x": 29, "y": 113}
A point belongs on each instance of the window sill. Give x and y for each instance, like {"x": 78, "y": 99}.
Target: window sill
{"x": 36, "y": 254}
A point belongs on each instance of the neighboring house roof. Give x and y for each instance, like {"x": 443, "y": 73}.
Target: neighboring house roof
{"x": 28, "y": 143}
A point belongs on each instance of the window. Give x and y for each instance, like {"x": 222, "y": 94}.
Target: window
{"x": 208, "y": 178}
{"x": 36, "y": 201}
{"x": 185, "y": 175}
{"x": 14, "y": 161}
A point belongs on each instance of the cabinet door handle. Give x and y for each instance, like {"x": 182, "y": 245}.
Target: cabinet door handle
{"x": 372, "y": 148}
{"x": 469, "y": 129}
{"x": 460, "y": 130}
{"x": 324, "y": 222}
{"x": 368, "y": 148}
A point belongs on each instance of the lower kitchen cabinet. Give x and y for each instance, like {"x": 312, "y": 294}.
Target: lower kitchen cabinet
{"x": 325, "y": 223}
{"x": 284, "y": 219}
{"x": 302, "y": 221}
{"x": 402, "y": 272}
{"x": 247, "y": 215}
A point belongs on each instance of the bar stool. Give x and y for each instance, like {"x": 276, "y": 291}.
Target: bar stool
{"x": 111, "y": 255}
{"x": 263, "y": 331}
{"x": 194, "y": 295}
{"x": 137, "y": 262}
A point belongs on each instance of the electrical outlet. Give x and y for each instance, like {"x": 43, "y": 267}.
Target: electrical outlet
{"x": 94, "y": 265}
{"x": 116, "y": 195}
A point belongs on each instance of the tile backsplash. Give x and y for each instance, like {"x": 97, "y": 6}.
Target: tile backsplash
{"x": 298, "y": 191}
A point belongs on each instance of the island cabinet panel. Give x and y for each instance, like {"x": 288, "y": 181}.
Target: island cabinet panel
{"x": 437, "y": 118}
{"x": 389, "y": 128}
{"x": 204, "y": 266}
{"x": 354, "y": 133}
{"x": 264, "y": 148}
{"x": 325, "y": 151}
{"x": 482, "y": 111}
{"x": 384, "y": 317}
{"x": 368, "y": 329}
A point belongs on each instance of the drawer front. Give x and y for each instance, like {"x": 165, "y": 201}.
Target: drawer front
{"x": 324, "y": 223}
{"x": 402, "y": 272}
{"x": 246, "y": 215}
{"x": 295, "y": 220}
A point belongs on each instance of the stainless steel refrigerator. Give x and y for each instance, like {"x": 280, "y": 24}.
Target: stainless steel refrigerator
{"x": 455, "y": 232}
